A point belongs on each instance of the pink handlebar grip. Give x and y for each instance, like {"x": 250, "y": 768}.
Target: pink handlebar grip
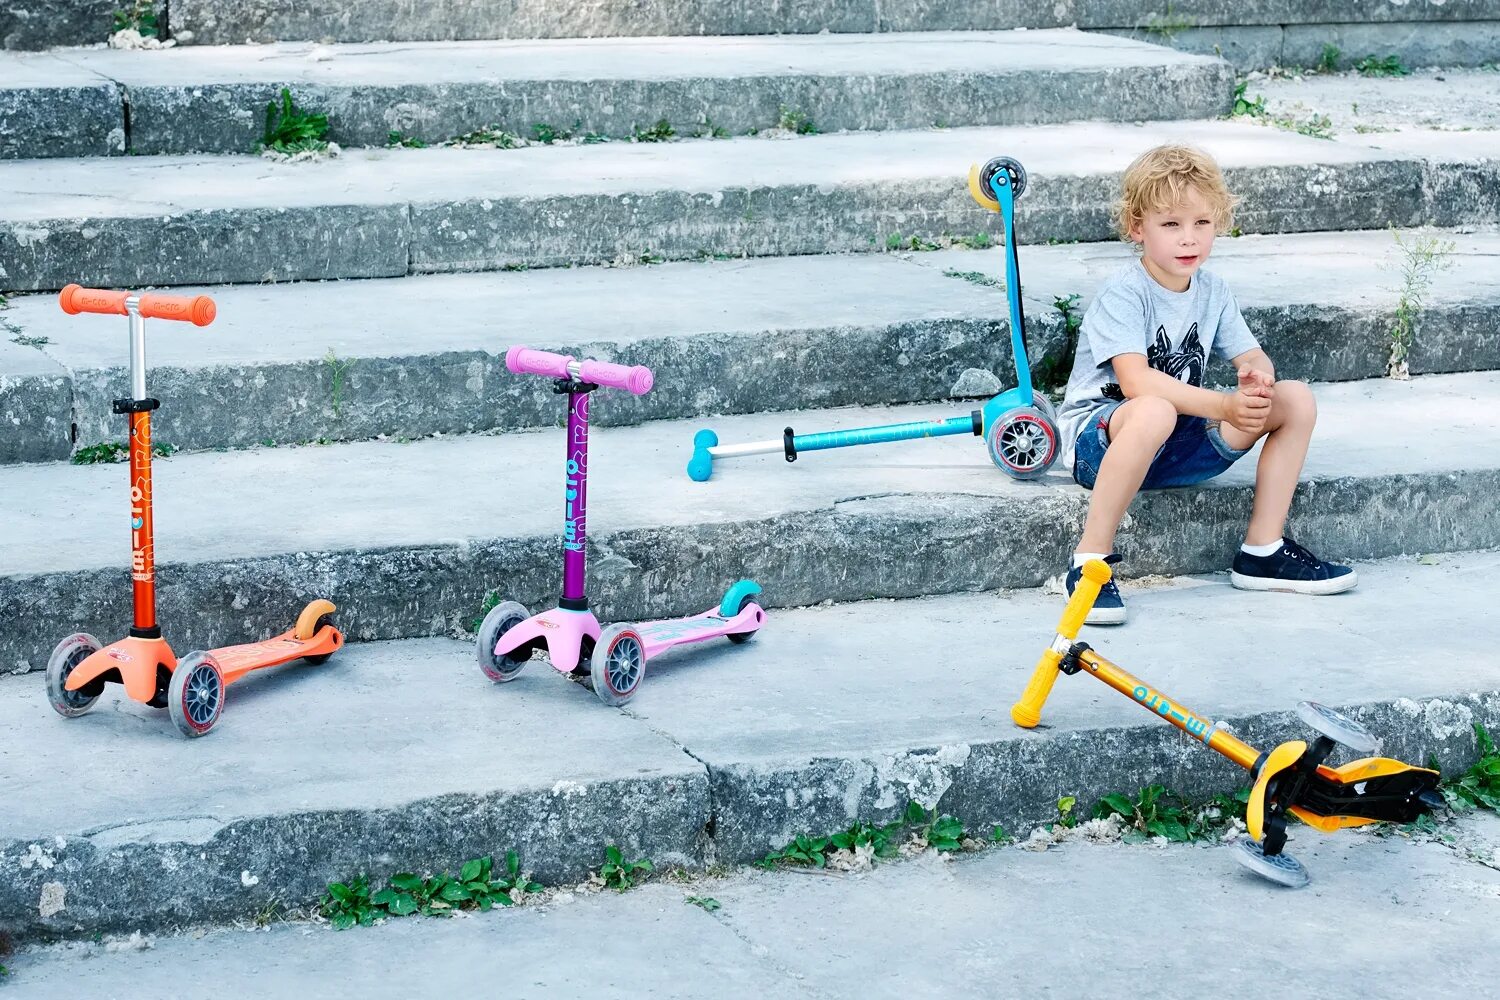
{"x": 635, "y": 379}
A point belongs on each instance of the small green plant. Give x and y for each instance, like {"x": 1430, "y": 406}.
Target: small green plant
{"x": 396, "y": 140}
{"x": 107, "y": 452}
{"x": 1479, "y": 786}
{"x": 803, "y": 850}
{"x": 795, "y": 121}
{"x": 548, "y": 134}
{"x": 1053, "y": 370}
{"x": 977, "y": 277}
{"x": 708, "y": 130}
{"x": 620, "y": 874}
{"x": 660, "y": 132}
{"x": 1157, "y": 812}
{"x": 592, "y": 138}
{"x": 704, "y": 902}
{"x": 489, "y": 137}
{"x": 1328, "y": 62}
{"x": 1168, "y": 24}
{"x": 290, "y": 130}
{"x": 28, "y": 341}
{"x": 945, "y": 834}
{"x": 1065, "y": 807}
{"x": 475, "y": 887}
{"x": 1316, "y": 126}
{"x": 140, "y": 16}
{"x": 490, "y": 602}
{"x": 1420, "y": 259}
{"x": 1244, "y": 106}
{"x": 999, "y": 835}
{"x": 338, "y": 372}
{"x": 348, "y": 903}
{"x": 1389, "y": 66}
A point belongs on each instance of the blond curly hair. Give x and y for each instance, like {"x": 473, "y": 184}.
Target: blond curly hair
{"x": 1158, "y": 180}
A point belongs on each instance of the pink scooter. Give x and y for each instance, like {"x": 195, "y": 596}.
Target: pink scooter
{"x": 615, "y": 656}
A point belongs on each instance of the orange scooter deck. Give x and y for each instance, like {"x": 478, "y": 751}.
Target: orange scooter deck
{"x": 237, "y": 661}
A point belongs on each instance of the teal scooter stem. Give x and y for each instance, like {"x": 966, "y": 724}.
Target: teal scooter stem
{"x": 1018, "y": 425}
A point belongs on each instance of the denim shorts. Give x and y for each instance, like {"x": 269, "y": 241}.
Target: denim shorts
{"x": 1195, "y": 452}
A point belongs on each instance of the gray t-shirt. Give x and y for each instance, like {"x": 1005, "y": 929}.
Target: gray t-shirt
{"x": 1133, "y": 314}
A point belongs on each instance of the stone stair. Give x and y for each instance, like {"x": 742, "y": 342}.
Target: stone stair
{"x": 349, "y": 431}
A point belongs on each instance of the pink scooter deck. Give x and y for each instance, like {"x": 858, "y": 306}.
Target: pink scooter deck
{"x": 563, "y": 632}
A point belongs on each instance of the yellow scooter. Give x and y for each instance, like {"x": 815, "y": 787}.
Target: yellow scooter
{"x": 1292, "y": 778}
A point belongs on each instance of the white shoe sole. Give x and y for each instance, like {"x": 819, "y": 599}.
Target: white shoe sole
{"x": 1337, "y": 585}
{"x": 1105, "y": 616}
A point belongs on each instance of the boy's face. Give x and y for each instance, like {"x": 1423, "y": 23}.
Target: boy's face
{"x": 1175, "y": 243}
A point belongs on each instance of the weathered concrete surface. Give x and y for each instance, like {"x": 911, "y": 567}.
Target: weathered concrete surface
{"x": 183, "y": 220}
{"x": 410, "y": 761}
{"x": 213, "y": 99}
{"x": 731, "y": 336}
{"x": 51, "y": 107}
{"x": 970, "y": 927}
{"x": 235, "y": 21}
{"x": 40, "y": 24}
{"x": 1446, "y": 100}
{"x": 36, "y": 403}
{"x": 1468, "y": 43}
{"x": 407, "y": 539}
{"x": 727, "y": 751}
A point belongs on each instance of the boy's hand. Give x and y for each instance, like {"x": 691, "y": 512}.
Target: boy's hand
{"x": 1254, "y": 382}
{"x": 1248, "y": 407}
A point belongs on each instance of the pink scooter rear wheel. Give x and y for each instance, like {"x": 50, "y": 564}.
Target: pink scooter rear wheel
{"x": 618, "y": 664}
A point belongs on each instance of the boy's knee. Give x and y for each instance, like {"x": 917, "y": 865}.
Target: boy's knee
{"x": 1148, "y": 417}
{"x": 1297, "y": 400}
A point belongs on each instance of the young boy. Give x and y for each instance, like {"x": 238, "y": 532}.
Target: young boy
{"x": 1136, "y": 415}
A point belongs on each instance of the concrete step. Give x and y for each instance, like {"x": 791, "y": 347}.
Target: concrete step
{"x": 784, "y": 934}
{"x": 386, "y": 758}
{"x": 382, "y": 213}
{"x": 408, "y": 538}
{"x": 358, "y": 359}
{"x": 234, "y": 21}
{"x": 213, "y": 99}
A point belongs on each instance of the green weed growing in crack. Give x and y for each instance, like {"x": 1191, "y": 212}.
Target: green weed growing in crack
{"x": 795, "y": 121}
{"x": 1065, "y": 811}
{"x": 1372, "y": 65}
{"x": 878, "y": 842}
{"x": 548, "y": 134}
{"x": 1244, "y": 106}
{"x": 977, "y": 277}
{"x": 139, "y": 16}
{"x": 107, "y": 452}
{"x": 27, "y": 341}
{"x": 338, "y": 372}
{"x": 490, "y": 603}
{"x": 620, "y": 874}
{"x": 291, "y": 130}
{"x": 1328, "y": 62}
{"x": 1167, "y": 24}
{"x": 662, "y": 131}
{"x": 978, "y": 241}
{"x": 1419, "y": 259}
{"x": 1156, "y": 812}
{"x": 1479, "y": 786}
{"x": 707, "y": 903}
{"x": 488, "y": 137}
{"x": 477, "y": 886}
{"x": 397, "y": 140}
{"x": 708, "y": 130}
{"x": 1051, "y": 373}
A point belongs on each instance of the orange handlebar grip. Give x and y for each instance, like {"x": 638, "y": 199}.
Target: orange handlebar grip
{"x": 196, "y": 309}
{"x": 1027, "y": 712}
{"x": 76, "y": 299}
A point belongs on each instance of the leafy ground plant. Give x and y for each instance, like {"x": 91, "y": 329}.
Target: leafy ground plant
{"x": 1156, "y": 812}
{"x": 795, "y": 121}
{"x": 396, "y": 140}
{"x": 107, "y": 452}
{"x": 1419, "y": 259}
{"x": 659, "y": 132}
{"x": 620, "y": 874}
{"x": 291, "y": 130}
{"x": 703, "y": 902}
{"x": 348, "y": 903}
{"x": 489, "y": 137}
{"x": 476, "y": 887}
{"x": 139, "y": 16}
{"x": 1328, "y": 62}
{"x": 1374, "y": 66}
{"x": 1052, "y": 371}
{"x": 1479, "y": 786}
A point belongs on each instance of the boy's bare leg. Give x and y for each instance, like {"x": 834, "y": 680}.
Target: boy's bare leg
{"x": 1137, "y": 430}
{"x": 1288, "y": 430}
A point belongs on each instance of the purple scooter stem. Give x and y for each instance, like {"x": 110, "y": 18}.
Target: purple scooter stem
{"x": 614, "y": 658}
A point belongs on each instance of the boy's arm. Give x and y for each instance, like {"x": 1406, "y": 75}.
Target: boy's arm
{"x": 1246, "y": 408}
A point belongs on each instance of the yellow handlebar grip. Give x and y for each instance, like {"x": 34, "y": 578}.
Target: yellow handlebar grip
{"x": 1027, "y": 712}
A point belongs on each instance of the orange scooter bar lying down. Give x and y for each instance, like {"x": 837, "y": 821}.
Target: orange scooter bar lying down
{"x": 143, "y": 663}
{"x": 1291, "y": 779}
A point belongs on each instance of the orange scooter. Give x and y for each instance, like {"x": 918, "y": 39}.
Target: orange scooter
{"x": 192, "y": 689}
{"x": 1292, "y": 779}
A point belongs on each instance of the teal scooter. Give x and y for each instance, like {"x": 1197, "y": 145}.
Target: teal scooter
{"x": 1019, "y": 426}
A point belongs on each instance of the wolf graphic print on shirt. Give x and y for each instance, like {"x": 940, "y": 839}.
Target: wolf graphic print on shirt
{"x": 1184, "y": 364}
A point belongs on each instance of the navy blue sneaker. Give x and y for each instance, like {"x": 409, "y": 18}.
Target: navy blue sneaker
{"x": 1290, "y": 568}
{"x": 1109, "y": 609}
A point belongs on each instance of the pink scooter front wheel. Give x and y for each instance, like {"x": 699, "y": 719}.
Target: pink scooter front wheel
{"x": 501, "y": 619}
{"x": 618, "y": 664}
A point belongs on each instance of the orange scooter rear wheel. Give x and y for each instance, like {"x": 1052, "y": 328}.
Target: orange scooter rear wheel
{"x": 67, "y": 655}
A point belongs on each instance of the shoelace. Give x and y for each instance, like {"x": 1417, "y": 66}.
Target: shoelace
{"x": 1297, "y": 552}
